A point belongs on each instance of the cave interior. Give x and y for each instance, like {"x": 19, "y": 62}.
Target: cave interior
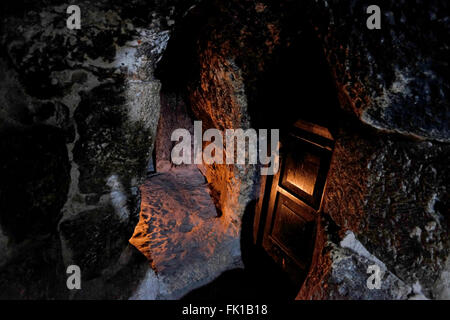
{"x": 88, "y": 178}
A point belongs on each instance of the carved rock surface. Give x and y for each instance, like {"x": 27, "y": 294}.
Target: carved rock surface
{"x": 395, "y": 78}
{"x": 180, "y": 234}
{"x": 390, "y": 189}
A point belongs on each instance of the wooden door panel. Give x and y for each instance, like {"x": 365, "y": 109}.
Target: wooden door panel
{"x": 304, "y": 170}
{"x": 293, "y": 229}
{"x": 295, "y": 198}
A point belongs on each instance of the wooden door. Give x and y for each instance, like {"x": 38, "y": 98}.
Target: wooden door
{"x": 295, "y": 196}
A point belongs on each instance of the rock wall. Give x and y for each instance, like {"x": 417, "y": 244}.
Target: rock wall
{"x": 78, "y": 116}
{"x": 220, "y": 101}
{"x": 387, "y": 183}
{"x": 389, "y": 189}
{"x": 391, "y": 193}
{"x": 394, "y": 78}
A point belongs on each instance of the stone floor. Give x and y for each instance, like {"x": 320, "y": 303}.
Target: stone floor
{"x": 180, "y": 234}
